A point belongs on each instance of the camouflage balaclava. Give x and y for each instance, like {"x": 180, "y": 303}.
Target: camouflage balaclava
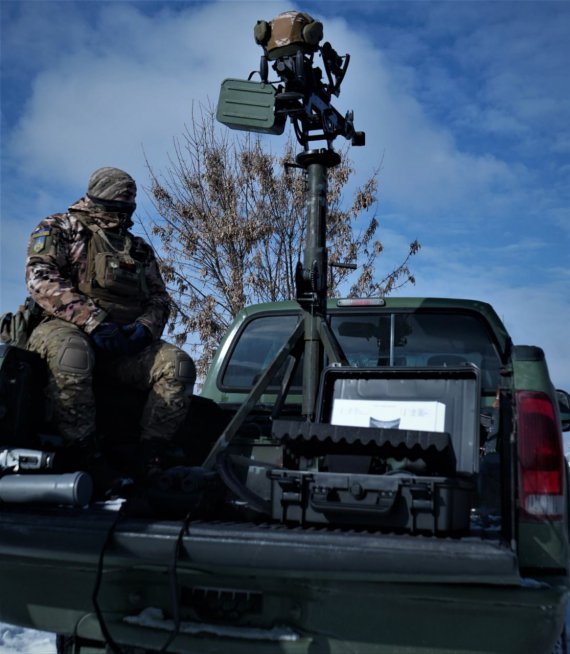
{"x": 110, "y": 198}
{"x": 112, "y": 188}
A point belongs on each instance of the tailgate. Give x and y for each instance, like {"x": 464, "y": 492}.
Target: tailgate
{"x": 266, "y": 589}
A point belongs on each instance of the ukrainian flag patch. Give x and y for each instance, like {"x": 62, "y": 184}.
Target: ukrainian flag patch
{"x": 39, "y": 240}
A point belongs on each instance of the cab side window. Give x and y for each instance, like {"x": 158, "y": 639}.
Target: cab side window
{"x": 255, "y": 349}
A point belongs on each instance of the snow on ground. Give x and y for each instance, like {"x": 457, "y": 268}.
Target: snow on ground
{"x": 15, "y": 640}
{"x": 25, "y": 641}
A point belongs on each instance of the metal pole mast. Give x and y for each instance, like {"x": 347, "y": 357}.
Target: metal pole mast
{"x": 312, "y": 290}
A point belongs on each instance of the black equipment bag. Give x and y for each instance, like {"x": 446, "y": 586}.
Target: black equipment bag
{"x": 22, "y": 377}
{"x": 15, "y": 328}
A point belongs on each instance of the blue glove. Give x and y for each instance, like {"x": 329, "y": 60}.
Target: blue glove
{"x": 110, "y": 338}
{"x": 138, "y": 337}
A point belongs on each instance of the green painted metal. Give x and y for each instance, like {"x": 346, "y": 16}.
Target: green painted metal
{"x": 391, "y": 594}
{"x": 249, "y": 105}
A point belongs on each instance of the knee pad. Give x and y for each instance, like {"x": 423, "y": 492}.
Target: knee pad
{"x": 75, "y": 356}
{"x": 174, "y": 364}
{"x": 184, "y": 368}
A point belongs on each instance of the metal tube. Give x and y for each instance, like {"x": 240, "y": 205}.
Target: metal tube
{"x": 74, "y": 488}
{"x": 315, "y": 287}
{"x": 316, "y": 269}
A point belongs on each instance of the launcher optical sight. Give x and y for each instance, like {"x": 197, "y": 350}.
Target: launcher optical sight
{"x": 302, "y": 92}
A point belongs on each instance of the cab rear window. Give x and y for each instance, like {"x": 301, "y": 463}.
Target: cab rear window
{"x": 370, "y": 340}
{"x": 419, "y": 339}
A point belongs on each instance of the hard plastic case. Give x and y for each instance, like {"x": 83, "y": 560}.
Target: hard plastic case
{"x": 328, "y": 476}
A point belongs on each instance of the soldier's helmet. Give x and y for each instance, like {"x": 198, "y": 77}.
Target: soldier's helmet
{"x": 112, "y": 188}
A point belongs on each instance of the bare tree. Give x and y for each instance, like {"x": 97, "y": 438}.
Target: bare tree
{"x": 232, "y": 223}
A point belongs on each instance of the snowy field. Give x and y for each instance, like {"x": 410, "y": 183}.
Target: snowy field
{"x": 25, "y": 641}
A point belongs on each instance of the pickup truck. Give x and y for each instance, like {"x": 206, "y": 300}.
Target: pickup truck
{"x": 424, "y": 508}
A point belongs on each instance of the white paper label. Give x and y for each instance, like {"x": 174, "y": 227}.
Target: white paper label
{"x": 389, "y": 414}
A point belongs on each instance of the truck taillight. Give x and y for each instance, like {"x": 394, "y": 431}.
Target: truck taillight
{"x": 541, "y": 458}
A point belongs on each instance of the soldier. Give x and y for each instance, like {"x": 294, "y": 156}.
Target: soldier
{"x": 104, "y": 301}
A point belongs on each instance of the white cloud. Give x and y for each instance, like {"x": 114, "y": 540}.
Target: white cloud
{"x": 423, "y": 168}
{"x": 130, "y": 84}
{"x": 121, "y": 85}
{"x": 110, "y": 80}
{"x": 534, "y": 313}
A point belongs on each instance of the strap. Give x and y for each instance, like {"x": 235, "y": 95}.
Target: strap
{"x": 100, "y": 232}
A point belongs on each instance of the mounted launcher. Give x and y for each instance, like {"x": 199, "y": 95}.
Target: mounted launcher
{"x": 302, "y": 92}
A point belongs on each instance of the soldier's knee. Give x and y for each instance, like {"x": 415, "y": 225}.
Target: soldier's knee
{"x": 66, "y": 349}
{"x": 176, "y": 365}
{"x": 185, "y": 370}
{"x": 74, "y": 356}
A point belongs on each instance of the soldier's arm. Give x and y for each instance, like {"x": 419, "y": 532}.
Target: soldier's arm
{"x": 157, "y": 305}
{"x": 48, "y": 276}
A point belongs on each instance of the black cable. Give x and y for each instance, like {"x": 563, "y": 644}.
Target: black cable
{"x": 116, "y": 649}
{"x": 99, "y": 576}
{"x": 174, "y": 584}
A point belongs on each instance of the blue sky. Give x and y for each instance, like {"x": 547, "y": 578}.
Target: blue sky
{"x": 466, "y": 106}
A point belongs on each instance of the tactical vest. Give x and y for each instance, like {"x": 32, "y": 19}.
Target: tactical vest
{"x": 114, "y": 280}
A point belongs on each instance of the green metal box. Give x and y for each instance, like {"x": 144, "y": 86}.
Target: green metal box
{"x": 250, "y": 106}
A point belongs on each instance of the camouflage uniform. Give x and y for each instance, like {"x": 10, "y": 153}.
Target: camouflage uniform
{"x": 61, "y": 278}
